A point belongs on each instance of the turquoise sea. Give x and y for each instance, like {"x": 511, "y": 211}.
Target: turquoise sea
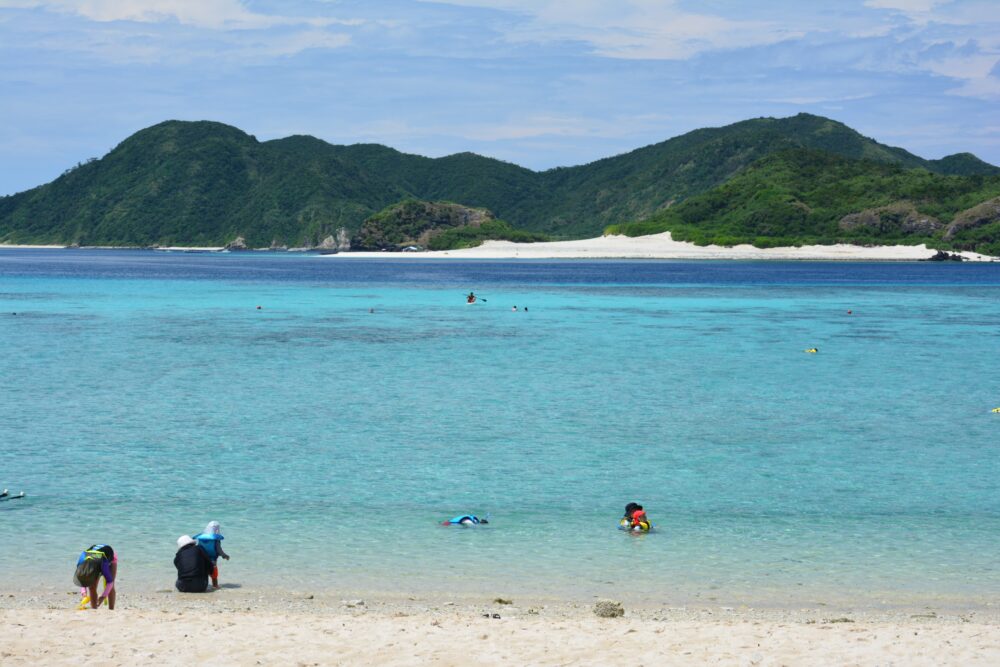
{"x": 143, "y": 394}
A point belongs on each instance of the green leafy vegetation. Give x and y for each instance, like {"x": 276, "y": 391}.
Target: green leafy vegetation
{"x": 470, "y": 236}
{"x": 205, "y": 183}
{"x": 800, "y": 196}
{"x": 435, "y": 226}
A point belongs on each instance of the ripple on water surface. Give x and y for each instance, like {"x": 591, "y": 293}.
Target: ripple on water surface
{"x": 143, "y": 396}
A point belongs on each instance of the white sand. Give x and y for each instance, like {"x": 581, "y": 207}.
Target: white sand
{"x": 656, "y": 246}
{"x": 662, "y": 246}
{"x": 267, "y": 634}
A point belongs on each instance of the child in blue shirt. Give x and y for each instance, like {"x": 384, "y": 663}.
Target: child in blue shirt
{"x": 210, "y": 542}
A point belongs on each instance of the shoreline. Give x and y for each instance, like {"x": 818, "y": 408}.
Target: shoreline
{"x": 234, "y": 595}
{"x": 245, "y": 626}
{"x": 653, "y": 247}
{"x": 662, "y": 246}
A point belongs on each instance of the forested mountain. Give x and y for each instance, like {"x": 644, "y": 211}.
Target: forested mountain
{"x": 802, "y": 196}
{"x": 205, "y": 183}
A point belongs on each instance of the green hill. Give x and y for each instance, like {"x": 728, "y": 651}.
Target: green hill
{"x": 636, "y": 185}
{"x": 801, "y": 196}
{"x": 436, "y": 226}
{"x": 205, "y": 183}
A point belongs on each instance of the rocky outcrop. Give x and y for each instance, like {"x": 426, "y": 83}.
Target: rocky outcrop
{"x": 275, "y": 245}
{"x": 982, "y": 214}
{"x": 942, "y": 256}
{"x": 339, "y": 242}
{"x": 609, "y": 609}
{"x": 414, "y": 223}
{"x": 239, "y": 243}
{"x": 898, "y": 218}
{"x": 343, "y": 240}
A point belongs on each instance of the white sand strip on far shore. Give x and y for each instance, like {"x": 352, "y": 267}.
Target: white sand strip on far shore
{"x": 662, "y": 246}
{"x": 275, "y": 637}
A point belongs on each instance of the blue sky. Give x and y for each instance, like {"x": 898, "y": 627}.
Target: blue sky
{"x": 541, "y": 83}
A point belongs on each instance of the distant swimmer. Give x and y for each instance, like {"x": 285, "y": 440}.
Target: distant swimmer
{"x": 813, "y": 350}
{"x": 513, "y": 309}
{"x": 465, "y": 520}
{"x": 6, "y": 496}
{"x": 850, "y": 312}
{"x": 635, "y": 519}
{"x": 997, "y": 410}
{"x": 258, "y": 307}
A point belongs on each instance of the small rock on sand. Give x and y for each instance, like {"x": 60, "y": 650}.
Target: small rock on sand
{"x": 609, "y": 609}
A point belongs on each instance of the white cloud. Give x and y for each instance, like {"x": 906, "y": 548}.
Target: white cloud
{"x": 297, "y": 42}
{"x": 907, "y": 6}
{"x": 209, "y": 14}
{"x": 180, "y": 32}
{"x": 976, "y": 66}
{"x": 634, "y": 29}
{"x": 529, "y": 126}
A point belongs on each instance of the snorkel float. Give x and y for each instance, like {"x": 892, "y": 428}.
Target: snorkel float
{"x": 643, "y": 526}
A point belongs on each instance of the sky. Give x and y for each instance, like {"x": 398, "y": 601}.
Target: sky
{"x": 541, "y": 83}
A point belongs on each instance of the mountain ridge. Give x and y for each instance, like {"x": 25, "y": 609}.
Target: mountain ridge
{"x": 205, "y": 183}
{"x": 803, "y": 196}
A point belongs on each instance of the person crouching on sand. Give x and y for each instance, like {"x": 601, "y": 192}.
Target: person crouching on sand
{"x": 95, "y": 562}
{"x": 193, "y": 566}
{"x": 211, "y": 542}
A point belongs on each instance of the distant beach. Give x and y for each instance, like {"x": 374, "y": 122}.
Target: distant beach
{"x": 662, "y": 246}
{"x": 655, "y": 246}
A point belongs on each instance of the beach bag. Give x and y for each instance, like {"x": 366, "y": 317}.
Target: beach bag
{"x": 88, "y": 572}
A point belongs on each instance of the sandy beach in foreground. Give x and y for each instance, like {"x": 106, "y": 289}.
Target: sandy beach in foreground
{"x": 247, "y": 627}
{"x": 662, "y": 246}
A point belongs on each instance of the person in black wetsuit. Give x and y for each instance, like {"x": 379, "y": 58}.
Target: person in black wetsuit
{"x": 193, "y": 566}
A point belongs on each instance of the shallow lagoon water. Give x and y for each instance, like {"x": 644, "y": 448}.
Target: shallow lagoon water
{"x": 144, "y": 394}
